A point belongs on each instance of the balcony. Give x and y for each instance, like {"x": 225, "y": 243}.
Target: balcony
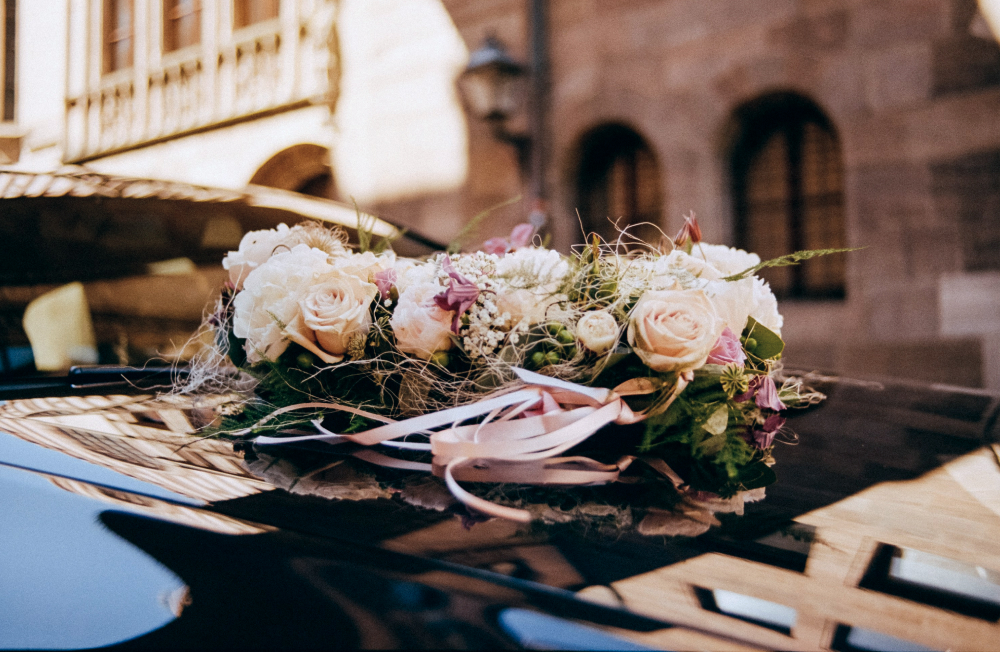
{"x": 264, "y": 68}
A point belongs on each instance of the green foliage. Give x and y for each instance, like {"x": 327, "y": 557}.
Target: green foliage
{"x": 760, "y": 342}
{"x": 703, "y": 433}
{"x": 787, "y": 261}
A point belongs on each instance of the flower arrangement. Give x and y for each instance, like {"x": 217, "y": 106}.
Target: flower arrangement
{"x": 502, "y": 367}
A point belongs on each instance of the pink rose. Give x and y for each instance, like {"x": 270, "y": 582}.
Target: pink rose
{"x": 420, "y": 326}
{"x": 727, "y": 350}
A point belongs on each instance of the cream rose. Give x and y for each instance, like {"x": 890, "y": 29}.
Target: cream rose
{"x": 597, "y": 330}
{"x": 674, "y": 330}
{"x": 256, "y": 248}
{"x": 338, "y": 309}
{"x": 267, "y": 309}
{"x": 420, "y": 326}
{"x": 526, "y": 307}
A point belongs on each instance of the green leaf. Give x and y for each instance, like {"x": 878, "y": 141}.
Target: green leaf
{"x": 717, "y": 422}
{"x": 713, "y": 444}
{"x": 787, "y": 261}
{"x": 756, "y": 476}
{"x": 769, "y": 344}
{"x": 237, "y": 353}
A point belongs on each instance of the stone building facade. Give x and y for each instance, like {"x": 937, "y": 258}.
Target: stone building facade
{"x": 782, "y": 124}
{"x": 890, "y": 108}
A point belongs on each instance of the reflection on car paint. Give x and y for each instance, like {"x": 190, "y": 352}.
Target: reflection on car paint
{"x": 537, "y": 631}
{"x": 17, "y": 452}
{"x": 67, "y": 581}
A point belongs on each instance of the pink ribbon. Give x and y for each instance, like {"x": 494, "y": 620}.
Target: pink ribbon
{"x": 519, "y": 440}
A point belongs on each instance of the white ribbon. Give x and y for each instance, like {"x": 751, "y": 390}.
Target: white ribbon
{"x": 502, "y": 447}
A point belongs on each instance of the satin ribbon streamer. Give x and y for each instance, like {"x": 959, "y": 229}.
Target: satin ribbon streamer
{"x": 519, "y": 440}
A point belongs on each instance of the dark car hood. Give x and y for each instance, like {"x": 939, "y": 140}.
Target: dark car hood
{"x": 123, "y": 518}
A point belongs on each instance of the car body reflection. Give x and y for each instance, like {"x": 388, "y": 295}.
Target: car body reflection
{"x": 878, "y": 470}
{"x": 68, "y": 581}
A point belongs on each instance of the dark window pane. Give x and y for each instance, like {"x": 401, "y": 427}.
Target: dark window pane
{"x": 181, "y": 24}
{"x": 788, "y": 192}
{"x": 619, "y": 182}
{"x": 118, "y": 37}
{"x": 248, "y": 12}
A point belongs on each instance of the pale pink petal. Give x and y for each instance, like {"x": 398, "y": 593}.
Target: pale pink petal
{"x": 496, "y": 246}
{"x": 521, "y": 235}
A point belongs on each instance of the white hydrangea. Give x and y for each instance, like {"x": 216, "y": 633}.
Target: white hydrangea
{"x": 728, "y": 260}
{"x": 748, "y": 297}
{"x": 765, "y": 306}
{"x": 533, "y": 267}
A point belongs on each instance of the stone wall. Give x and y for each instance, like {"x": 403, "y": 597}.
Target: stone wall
{"x": 913, "y": 97}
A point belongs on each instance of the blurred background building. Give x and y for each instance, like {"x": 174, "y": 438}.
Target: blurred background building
{"x": 783, "y": 124}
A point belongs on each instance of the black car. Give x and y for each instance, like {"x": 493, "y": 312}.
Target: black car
{"x": 122, "y": 527}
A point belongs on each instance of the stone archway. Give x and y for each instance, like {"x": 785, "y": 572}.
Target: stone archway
{"x": 303, "y": 168}
{"x": 618, "y": 182}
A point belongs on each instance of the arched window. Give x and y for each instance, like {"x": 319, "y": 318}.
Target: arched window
{"x": 788, "y": 191}
{"x": 618, "y": 181}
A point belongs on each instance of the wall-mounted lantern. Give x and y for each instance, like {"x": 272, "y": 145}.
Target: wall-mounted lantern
{"x": 493, "y": 88}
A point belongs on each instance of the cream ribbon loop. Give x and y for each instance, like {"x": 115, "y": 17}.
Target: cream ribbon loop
{"x": 508, "y": 445}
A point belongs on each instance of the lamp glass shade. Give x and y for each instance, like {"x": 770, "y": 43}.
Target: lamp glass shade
{"x": 492, "y": 82}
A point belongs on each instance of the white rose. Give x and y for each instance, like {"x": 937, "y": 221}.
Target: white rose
{"x": 256, "y": 248}
{"x": 420, "y": 326}
{"x": 267, "y": 309}
{"x": 597, "y": 330}
{"x": 674, "y": 330}
{"x": 525, "y": 306}
{"x": 728, "y": 260}
{"x": 338, "y": 309}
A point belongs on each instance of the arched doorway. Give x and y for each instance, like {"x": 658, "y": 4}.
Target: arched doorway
{"x": 788, "y": 191}
{"x": 301, "y": 168}
{"x": 618, "y": 181}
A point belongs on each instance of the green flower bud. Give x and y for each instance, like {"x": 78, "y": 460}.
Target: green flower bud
{"x": 305, "y": 360}
{"x": 394, "y": 293}
{"x": 565, "y": 337}
{"x": 750, "y": 344}
{"x": 537, "y": 359}
{"x": 554, "y": 328}
{"x": 552, "y": 357}
{"x": 440, "y": 358}
{"x": 569, "y": 352}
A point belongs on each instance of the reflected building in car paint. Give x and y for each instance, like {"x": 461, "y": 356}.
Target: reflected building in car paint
{"x": 827, "y": 581}
{"x": 151, "y": 442}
